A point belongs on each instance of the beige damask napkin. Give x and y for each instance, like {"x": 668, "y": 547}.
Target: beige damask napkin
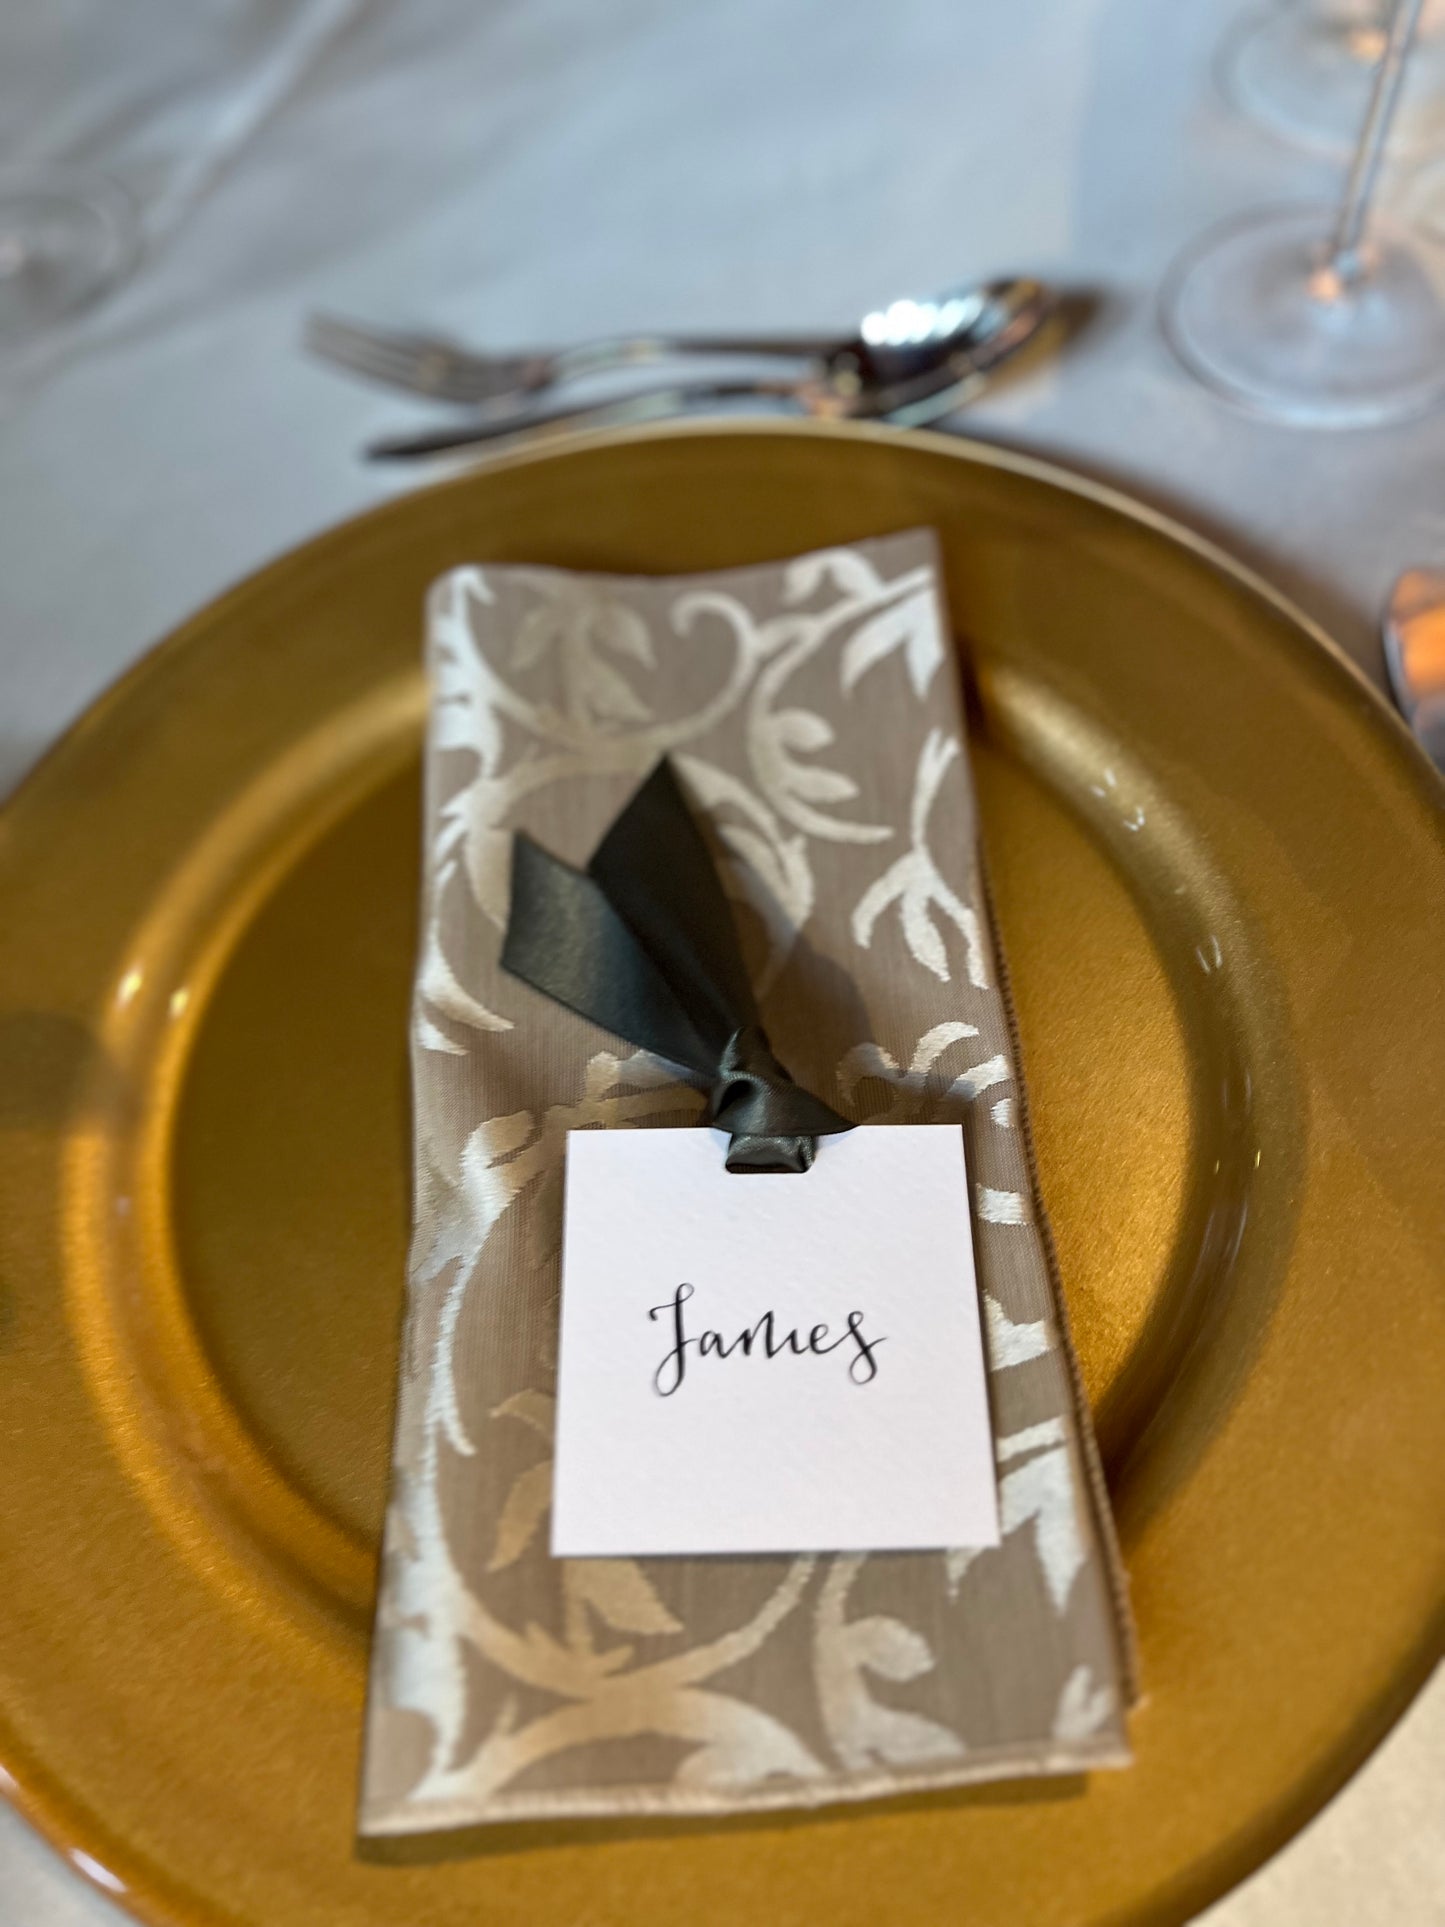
{"x": 813, "y": 712}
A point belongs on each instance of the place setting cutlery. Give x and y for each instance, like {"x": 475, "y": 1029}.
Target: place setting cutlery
{"x": 909, "y": 364}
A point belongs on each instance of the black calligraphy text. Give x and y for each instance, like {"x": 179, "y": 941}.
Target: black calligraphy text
{"x": 763, "y": 1337}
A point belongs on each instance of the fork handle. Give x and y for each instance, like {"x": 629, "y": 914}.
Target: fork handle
{"x": 632, "y": 351}
{"x": 648, "y": 405}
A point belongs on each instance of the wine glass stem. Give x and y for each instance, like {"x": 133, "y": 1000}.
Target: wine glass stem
{"x": 1345, "y": 258}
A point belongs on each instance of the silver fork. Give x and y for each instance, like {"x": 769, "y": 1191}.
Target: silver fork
{"x": 432, "y": 365}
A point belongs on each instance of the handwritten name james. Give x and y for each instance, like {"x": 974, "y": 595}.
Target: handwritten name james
{"x": 764, "y": 1337}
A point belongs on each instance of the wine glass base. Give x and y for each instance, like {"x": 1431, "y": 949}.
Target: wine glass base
{"x": 1255, "y": 311}
{"x": 65, "y": 239}
{"x": 1304, "y": 73}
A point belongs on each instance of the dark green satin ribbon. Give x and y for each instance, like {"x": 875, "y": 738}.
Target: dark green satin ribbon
{"x": 642, "y": 942}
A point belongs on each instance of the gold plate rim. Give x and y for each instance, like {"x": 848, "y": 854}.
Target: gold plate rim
{"x": 970, "y": 448}
{"x": 48, "y": 1808}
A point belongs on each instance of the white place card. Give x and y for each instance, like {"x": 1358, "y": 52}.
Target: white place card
{"x": 770, "y": 1363}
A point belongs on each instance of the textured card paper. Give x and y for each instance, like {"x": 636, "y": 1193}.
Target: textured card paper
{"x": 770, "y": 1363}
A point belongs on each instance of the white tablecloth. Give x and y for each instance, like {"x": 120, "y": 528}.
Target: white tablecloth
{"x": 531, "y": 169}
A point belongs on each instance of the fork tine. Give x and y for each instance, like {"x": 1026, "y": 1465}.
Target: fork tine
{"x": 355, "y": 357}
{"x": 333, "y": 327}
{"x": 362, "y": 349}
{"x": 421, "y": 364}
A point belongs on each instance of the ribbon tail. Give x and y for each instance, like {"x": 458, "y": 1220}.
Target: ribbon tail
{"x": 643, "y": 943}
{"x": 565, "y": 939}
{"x": 657, "y": 872}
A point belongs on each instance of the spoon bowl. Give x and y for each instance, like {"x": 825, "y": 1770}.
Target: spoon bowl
{"x": 907, "y": 338}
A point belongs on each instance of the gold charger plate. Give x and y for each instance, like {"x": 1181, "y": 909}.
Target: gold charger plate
{"x": 1220, "y": 873}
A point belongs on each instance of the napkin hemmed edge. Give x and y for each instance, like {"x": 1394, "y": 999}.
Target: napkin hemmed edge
{"x": 1106, "y": 1533}
{"x": 1104, "y": 1750}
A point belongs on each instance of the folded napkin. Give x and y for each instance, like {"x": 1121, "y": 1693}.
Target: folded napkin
{"x": 811, "y": 710}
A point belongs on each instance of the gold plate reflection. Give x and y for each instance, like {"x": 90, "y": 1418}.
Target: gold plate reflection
{"x": 1220, "y": 873}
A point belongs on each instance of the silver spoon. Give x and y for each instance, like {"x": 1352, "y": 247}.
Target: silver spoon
{"x": 1414, "y": 636}
{"x": 905, "y": 381}
{"x": 886, "y": 344}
